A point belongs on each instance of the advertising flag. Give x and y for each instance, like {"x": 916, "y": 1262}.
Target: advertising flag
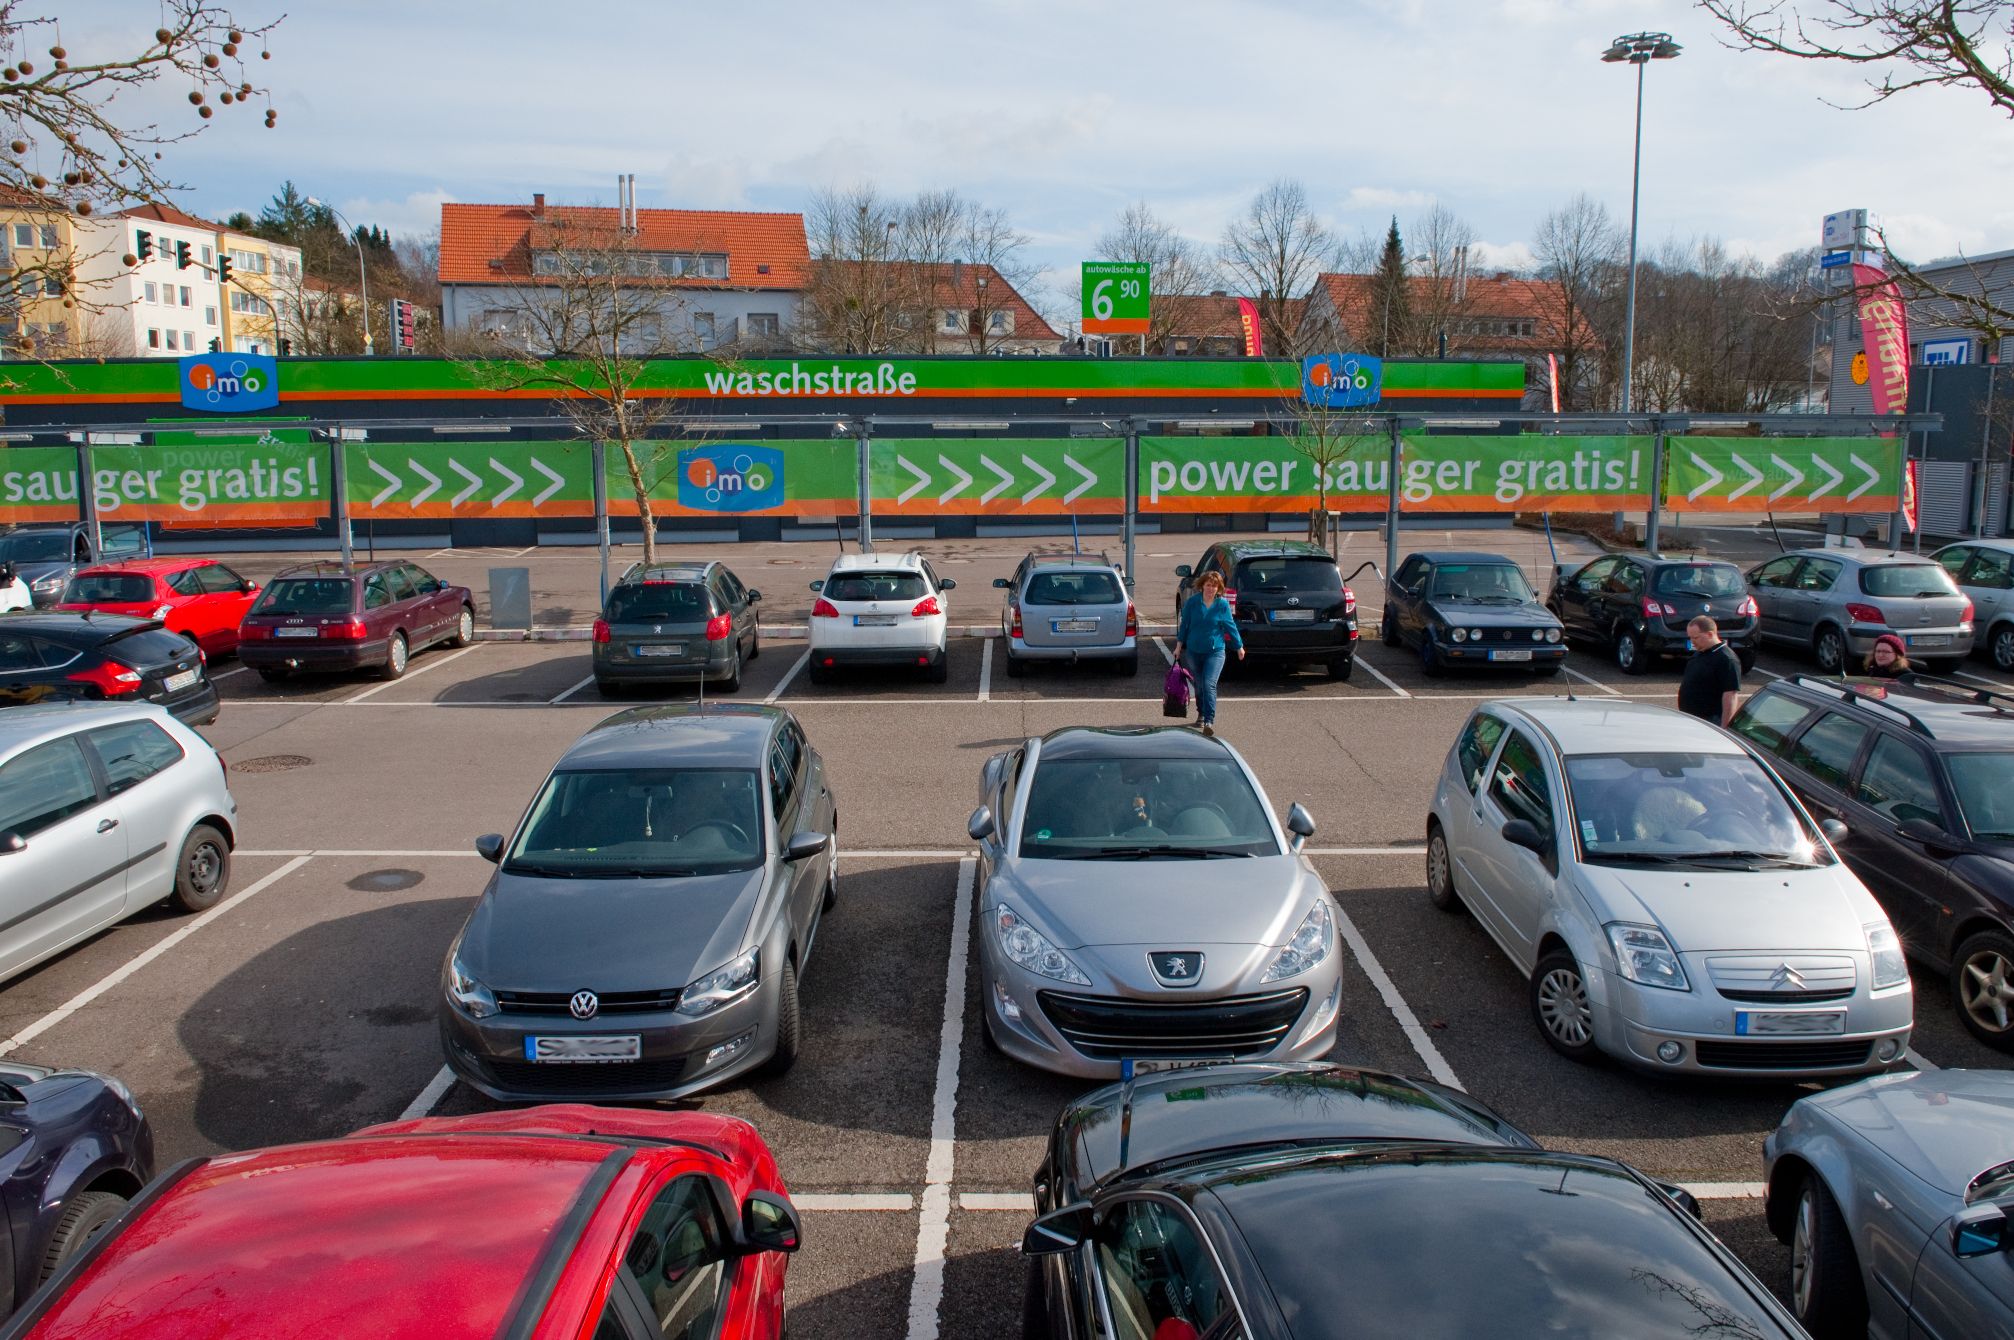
{"x": 1248, "y": 319}
{"x": 1552, "y": 377}
{"x": 1884, "y": 329}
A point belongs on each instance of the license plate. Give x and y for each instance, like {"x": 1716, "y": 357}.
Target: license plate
{"x": 1074, "y": 625}
{"x": 577, "y": 1050}
{"x": 176, "y": 683}
{"x": 660, "y": 649}
{"x": 1800, "y": 1023}
{"x": 297, "y": 632}
{"x": 1293, "y": 616}
{"x": 1930, "y": 640}
{"x": 1519, "y": 655}
{"x": 1161, "y": 1065}
{"x": 873, "y": 620}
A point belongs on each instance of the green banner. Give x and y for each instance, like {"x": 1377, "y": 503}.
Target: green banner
{"x": 274, "y": 479}
{"x": 1002, "y": 476}
{"x": 1783, "y": 474}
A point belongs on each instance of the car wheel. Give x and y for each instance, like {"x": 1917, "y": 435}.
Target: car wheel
{"x": 465, "y": 628}
{"x": 1034, "y": 1302}
{"x": 732, "y": 684}
{"x": 275, "y": 674}
{"x": 1630, "y": 657}
{"x": 1982, "y": 981}
{"x": 755, "y": 642}
{"x": 818, "y": 674}
{"x": 789, "y": 1026}
{"x": 2000, "y": 646}
{"x": 1388, "y": 630}
{"x": 1829, "y": 650}
{"x": 1430, "y": 660}
{"x": 1130, "y": 666}
{"x": 1341, "y": 666}
{"x": 941, "y": 671}
{"x": 831, "y": 872}
{"x": 397, "y": 655}
{"x": 1441, "y": 871}
{"x": 1016, "y": 666}
{"x": 86, "y": 1216}
{"x": 1560, "y": 1008}
{"x": 1747, "y": 659}
{"x": 1825, "y": 1286}
{"x": 203, "y": 870}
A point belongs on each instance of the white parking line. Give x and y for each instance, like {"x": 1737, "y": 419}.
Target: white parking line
{"x": 1166, "y": 654}
{"x": 1919, "y": 1060}
{"x": 1589, "y": 679}
{"x": 437, "y": 1088}
{"x": 1409, "y": 1023}
{"x": 874, "y": 854}
{"x": 1726, "y": 1190}
{"x": 235, "y": 670}
{"x": 985, "y": 669}
{"x": 1004, "y": 1200}
{"x": 1981, "y": 679}
{"x": 933, "y": 1233}
{"x": 449, "y": 659}
{"x": 803, "y": 659}
{"x": 852, "y": 1200}
{"x": 560, "y": 698}
{"x": 142, "y": 959}
{"x": 1383, "y": 678}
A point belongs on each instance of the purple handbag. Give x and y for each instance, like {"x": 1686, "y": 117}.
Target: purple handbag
{"x": 1175, "y": 693}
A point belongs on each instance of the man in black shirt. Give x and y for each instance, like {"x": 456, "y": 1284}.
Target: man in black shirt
{"x": 1711, "y": 687}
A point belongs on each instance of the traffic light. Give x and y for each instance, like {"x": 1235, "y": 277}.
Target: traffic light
{"x": 182, "y": 258}
{"x": 223, "y": 268}
{"x": 143, "y": 245}
{"x": 286, "y": 347}
{"x": 216, "y": 345}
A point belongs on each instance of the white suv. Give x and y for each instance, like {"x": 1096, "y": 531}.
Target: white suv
{"x": 875, "y": 610}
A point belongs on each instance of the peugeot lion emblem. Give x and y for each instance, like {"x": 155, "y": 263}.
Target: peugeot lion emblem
{"x": 1786, "y": 978}
{"x": 583, "y": 1005}
{"x": 1176, "y": 967}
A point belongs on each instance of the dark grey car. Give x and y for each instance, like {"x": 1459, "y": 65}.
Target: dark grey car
{"x": 46, "y": 557}
{"x": 676, "y": 623}
{"x": 645, "y": 930}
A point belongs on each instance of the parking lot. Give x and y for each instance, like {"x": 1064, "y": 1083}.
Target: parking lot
{"x": 303, "y": 1006}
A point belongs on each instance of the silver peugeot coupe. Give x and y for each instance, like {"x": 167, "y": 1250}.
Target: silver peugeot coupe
{"x": 1139, "y": 902}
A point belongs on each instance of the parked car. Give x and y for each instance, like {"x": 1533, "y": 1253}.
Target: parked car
{"x": 1836, "y": 602}
{"x": 1922, "y": 775}
{"x": 1068, "y": 607}
{"x": 876, "y": 609}
{"x": 1670, "y": 902}
{"x": 1637, "y": 606}
{"x": 103, "y": 657}
{"x": 104, "y": 809}
{"x": 649, "y": 921}
{"x": 199, "y": 598}
{"x": 46, "y": 556}
{"x": 676, "y": 623}
{"x": 1272, "y": 1202}
{"x": 1984, "y": 571}
{"x": 1105, "y": 857}
{"x": 1289, "y": 599}
{"x": 373, "y": 616}
{"x": 1896, "y": 1198}
{"x": 548, "y": 1223}
{"x": 1470, "y": 609}
{"x": 14, "y": 593}
{"x": 77, "y": 1148}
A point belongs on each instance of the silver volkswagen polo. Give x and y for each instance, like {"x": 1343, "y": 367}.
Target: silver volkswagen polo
{"x": 1139, "y": 902}
{"x": 1670, "y": 901}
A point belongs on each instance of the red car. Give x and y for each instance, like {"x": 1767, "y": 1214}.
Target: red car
{"x": 547, "y": 1223}
{"x": 199, "y": 598}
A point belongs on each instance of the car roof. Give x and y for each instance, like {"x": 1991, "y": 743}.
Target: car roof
{"x": 1674, "y": 561}
{"x": 33, "y": 723}
{"x": 1102, "y": 742}
{"x": 1063, "y": 558}
{"x": 659, "y": 572}
{"x": 877, "y": 562}
{"x": 152, "y": 567}
{"x": 334, "y": 568}
{"x": 1601, "y": 726}
{"x": 722, "y": 735}
{"x": 73, "y": 627}
{"x": 1934, "y": 709}
{"x": 1461, "y": 556}
{"x": 1866, "y": 558}
{"x": 2004, "y": 546}
{"x": 1271, "y": 548}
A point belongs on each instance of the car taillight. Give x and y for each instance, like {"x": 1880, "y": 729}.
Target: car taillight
{"x": 1349, "y": 601}
{"x": 1863, "y": 613}
{"x": 718, "y": 627}
{"x": 1231, "y": 598}
{"x": 254, "y": 632}
{"x": 1748, "y": 609}
{"x": 1651, "y": 608}
{"x": 1014, "y": 620}
{"x": 111, "y": 678}
{"x": 926, "y": 607}
{"x": 824, "y": 609}
{"x": 601, "y": 633}
{"x": 1965, "y": 616}
{"x": 1132, "y": 621}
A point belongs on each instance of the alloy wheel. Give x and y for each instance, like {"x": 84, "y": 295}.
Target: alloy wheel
{"x": 465, "y": 628}
{"x": 2003, "y": 647}
{"x": 1437, "y": 862}
{"x": 1802, "y": 1233}
{"x": 1986, "y": 990}
{"x": 399, "y": 654}
{"x": 1831, "y": 651}
{"x": 1562, "y": 1004}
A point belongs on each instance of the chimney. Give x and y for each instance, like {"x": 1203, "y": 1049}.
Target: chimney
{"x": 538, "y": 204}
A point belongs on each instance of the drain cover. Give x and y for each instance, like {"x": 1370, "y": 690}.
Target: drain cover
{"x": 273, "y": 763}
{"x": 385, "y": 881}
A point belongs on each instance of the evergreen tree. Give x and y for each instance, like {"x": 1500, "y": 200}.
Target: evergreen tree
{"x": 1389, "y": 314}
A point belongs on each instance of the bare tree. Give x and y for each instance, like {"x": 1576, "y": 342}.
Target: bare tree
{"x": 1441, "y": 243}
{"x": 1578, "y": 249}
{"x": 1275, "y": 251}
{"x": 859, "y": 301}
{"x": 1905, "y": 44}
{"x": 1715, "y": 334}
{"x": 1326, "y": 438}
{"x": 1177, "y": 267}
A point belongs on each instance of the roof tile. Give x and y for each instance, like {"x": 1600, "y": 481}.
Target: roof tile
{"x": 492, "y": 244}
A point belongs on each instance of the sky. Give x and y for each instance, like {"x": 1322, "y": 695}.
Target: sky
{"x": 1062, "y": 112}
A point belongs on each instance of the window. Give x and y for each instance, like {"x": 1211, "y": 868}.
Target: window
{"x": 52, "y": 286}
{"x": 1818, "y": 574}
{"x": 782, "y": 779}
{"x": 24, "y": 234}
{"x": 209, "y": 316}
{"x": 633, "y": 823}
{"x": 189, "y": 340}
{"x": 208, "y": 256}
{"x": 188, "y": 298}
{"x": 45, "y": 786}
{"x": 1478, "y": 742}
{"x": 376, "y": 594}
{"x": 248, "y": 262}
{"x": 217, "y": 580}
{"x": 764, "y": 323}
{"x": 702, "y": 326}
{"x": 545, "y": 264}
{"x": 1897, "y": 783}
{"x": 1955, "y": 558}
{"x": 1519, "y": 787}
{"x": 1155, "y": 1269}
{"x": 153, "y": 292}
{"x": 171, "y": 340}
{"x": 153, "y": 339}
{"x": 679, "y": 1263}
{"x": 1594, "y": 576}
{"x": 1907, "y": 580}
{"x": 1769, "y": 719}
{"x": 1993, "y": 570}
{"x": 400, "y": 585}
{"x": 1828, "y": 749}
{"x": 49, "y": 236}
{"x": 133, "y": 751}
{"x": 954, "y": 322}
{"x": 185, "y": 582}
{"x": 996, "y": 323}
{"x": 1776, "y": 572}
{"x": 18, "y": 653}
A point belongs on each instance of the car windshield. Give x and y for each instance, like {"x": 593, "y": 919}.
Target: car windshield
{"x": 1684, "y": 809}
{"x": 1299, "y": 574}
{"x": 1492, "y": 583}
{"x": 641, "y": 822}
{"x": 1075, "y": 588}
{"x": 27, "y": 547}
{"x": 1899, "y": 580}
{"x": 1985, "y": 785}
{"x": 109, "y": 588}
{"x": 306, "y": 595}
{"x": 875, "y": 586}
{"x": 659, "y": 602}
{"x": 1700, "y": 579}
{"x": 1084, "y": 808}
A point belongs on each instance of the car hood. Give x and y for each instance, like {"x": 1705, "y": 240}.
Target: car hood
{"x": 1944, "y": 1126}
{"x": 32, "y": 573}
{"x": 1158, "y": 904}
{"x": 1823, "y": 908}
{"x": 1474, "y": 613}
{"x": 533, "y": 934}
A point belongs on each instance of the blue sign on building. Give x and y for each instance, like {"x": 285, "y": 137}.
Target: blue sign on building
{"x": 730, "y": 477}
{"x": 1342, "y": 381}
{"x": 230, "y": 383}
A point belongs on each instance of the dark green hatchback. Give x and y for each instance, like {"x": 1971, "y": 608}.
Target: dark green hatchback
{"x": 676, "y": 624}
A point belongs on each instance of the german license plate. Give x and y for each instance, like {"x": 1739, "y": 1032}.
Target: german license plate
{"x": 1518, "y": 654}
{"x": 576, "y": 1050}
{"x": 1293, "y": 616}
{"x": 297, "y": 632}
{"x": 1930, "y": 640}
{"x": 1788, "y": 1024}
{"x": 176, "y": 683}
{"x": 660, "y": 649}
{"x": 873, "y": 620}
{"x": 1074, "y": 625}
{"x": 1161, "y": 1065}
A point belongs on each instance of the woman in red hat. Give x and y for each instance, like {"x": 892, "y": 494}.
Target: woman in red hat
{"x": 1888, "y": 659}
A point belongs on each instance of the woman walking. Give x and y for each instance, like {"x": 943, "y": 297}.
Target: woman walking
{"x": 1206, "y": 630}
{"x": 1889, "y": 659}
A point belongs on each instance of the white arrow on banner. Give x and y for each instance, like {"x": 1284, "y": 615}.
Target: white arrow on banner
{"x": 1754, "y": 476}
{"x": 1873, "y": 478}
{"x": 1796, "y": 477}
{"x": 1833, "y": 479}
{"x": 1089, "y": 480}
{"x": 922, "y": 480}
{"x": 516, "y": 481}
{"x": 433, "y": 481}
{"x": 1006, "y": 480}
{"x": 558, "y": 481}
{"x": 393, "y": 485}
{"x": 1047, "y": 479}
{"x": 475, "y": 481}
{"x": 964, "y": 480}
{"x": 1716, "y": 477}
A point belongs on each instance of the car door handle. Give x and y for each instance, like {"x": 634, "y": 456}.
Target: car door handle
{"x": 107, "y": 825}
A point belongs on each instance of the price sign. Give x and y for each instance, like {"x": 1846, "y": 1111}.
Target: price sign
{"x": 1115, "y": 297}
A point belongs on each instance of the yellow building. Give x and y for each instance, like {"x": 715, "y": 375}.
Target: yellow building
{"x": 38, "y": 250}
{"x": 265, "y": 286}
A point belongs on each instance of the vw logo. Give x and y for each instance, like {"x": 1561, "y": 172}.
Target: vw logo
{"x": 1786, "y": 978}
{"x": 583, "y": 1005}
{"x": 1176, "y": 967}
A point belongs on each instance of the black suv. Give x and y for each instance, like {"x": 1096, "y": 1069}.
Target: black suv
{"x": 1289, "y": 599}
{"x": 1637, "y": 605}
{"x": 1922, "y": 772}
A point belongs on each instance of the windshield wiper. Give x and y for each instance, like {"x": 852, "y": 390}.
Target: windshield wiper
{"x": 1770, "y": 857}
{"x": 1158, "y": 849}
{"x": 1645, "y": 857}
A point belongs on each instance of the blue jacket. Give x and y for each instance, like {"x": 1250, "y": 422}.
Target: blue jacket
{"x": 1206, "y": 627}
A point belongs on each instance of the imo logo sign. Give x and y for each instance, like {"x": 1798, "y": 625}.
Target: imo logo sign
{"x": 230, "y": 383}
{"x": 1342, "y": 381}
{"x": 730, "y": 477}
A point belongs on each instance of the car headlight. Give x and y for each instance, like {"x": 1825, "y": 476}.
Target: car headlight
{"x": 1312, "y": 941}
{"x": 723, "y": 986}
{"x": 1031, "y": 949}
{"x": 464, "y": 990}
{"x": 1552, "y": 634}
{"x": 1459, "y": 634}
{"x": 50, "y": 583}
{"x": 1538, "y": 634}
{"x": 1475, "y": 634}
{"x": 1644, "y": 956}
{"x": 1884, "y": 950}
{"x": 124, "y": 1095}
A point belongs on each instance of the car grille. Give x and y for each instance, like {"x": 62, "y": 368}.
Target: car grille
{"x": 614, "y": 1002}
{"x": 609, "y": 1077}
{"x": 1786, "y": 997}
{"x": 1750, "y": 978}
{"x": 1783, "y": 1055}
{"x": 1110, "y": 1029}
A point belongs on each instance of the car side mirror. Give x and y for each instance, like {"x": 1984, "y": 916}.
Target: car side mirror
{"x": 1836, "y": 832}
{"x": 754, "y": 596}
{"x": 248, "y": 586}
{"x": 1919, "y": 830}
{"x": 1524, "y": 833}
{"x": 1058, "y": 1231}
{"x": 980, "y": 826}
{"x": 11, "y": 842}
{"x": 1684, "y": 1199}
{"x": 1183, "y": 570}
{"x": 1002, "y": 584}
{"x": 805, "y": 845}
{"x": 1980, "y": 1230}
{"x": 818, "y": 585}
{"x": 948, "y": 584}
{"x": 490, "y": 847}
{"x": 1300, "y": 823}
{"x": 769, "y": 1223}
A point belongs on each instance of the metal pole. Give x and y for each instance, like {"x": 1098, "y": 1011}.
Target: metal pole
{"x": 866, "y": 495}
{"x": 1635, "y": 182}
{"x": 1985, "y": 452}
{"x": 1929, "y": 396}
{"x": 1656, "y": 490}
{"x": 339, "y": 481}
{"x": 87, "y": 505}
{"x": 598, "y": 464}
{"x": 1392, "y": 507}
{"x": 1131, "y": 488}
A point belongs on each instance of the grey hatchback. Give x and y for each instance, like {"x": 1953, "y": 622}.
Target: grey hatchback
{"x": 1068, "y": 608}
{"x": 643, "y": 935}
{"x": 676, "y": 623}
{"x": 1837, "y": 602}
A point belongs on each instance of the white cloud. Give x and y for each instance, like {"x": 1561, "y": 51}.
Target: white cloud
{"x": 1489, "y": 257}
{"x": 1384, "y": 198}
{"x": 419, "y": 214}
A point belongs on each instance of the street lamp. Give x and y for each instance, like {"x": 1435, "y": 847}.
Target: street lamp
{"x": 1639, "y": 49}
{"x": 981, "y": 314}
{"x": 363, "y": 279}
